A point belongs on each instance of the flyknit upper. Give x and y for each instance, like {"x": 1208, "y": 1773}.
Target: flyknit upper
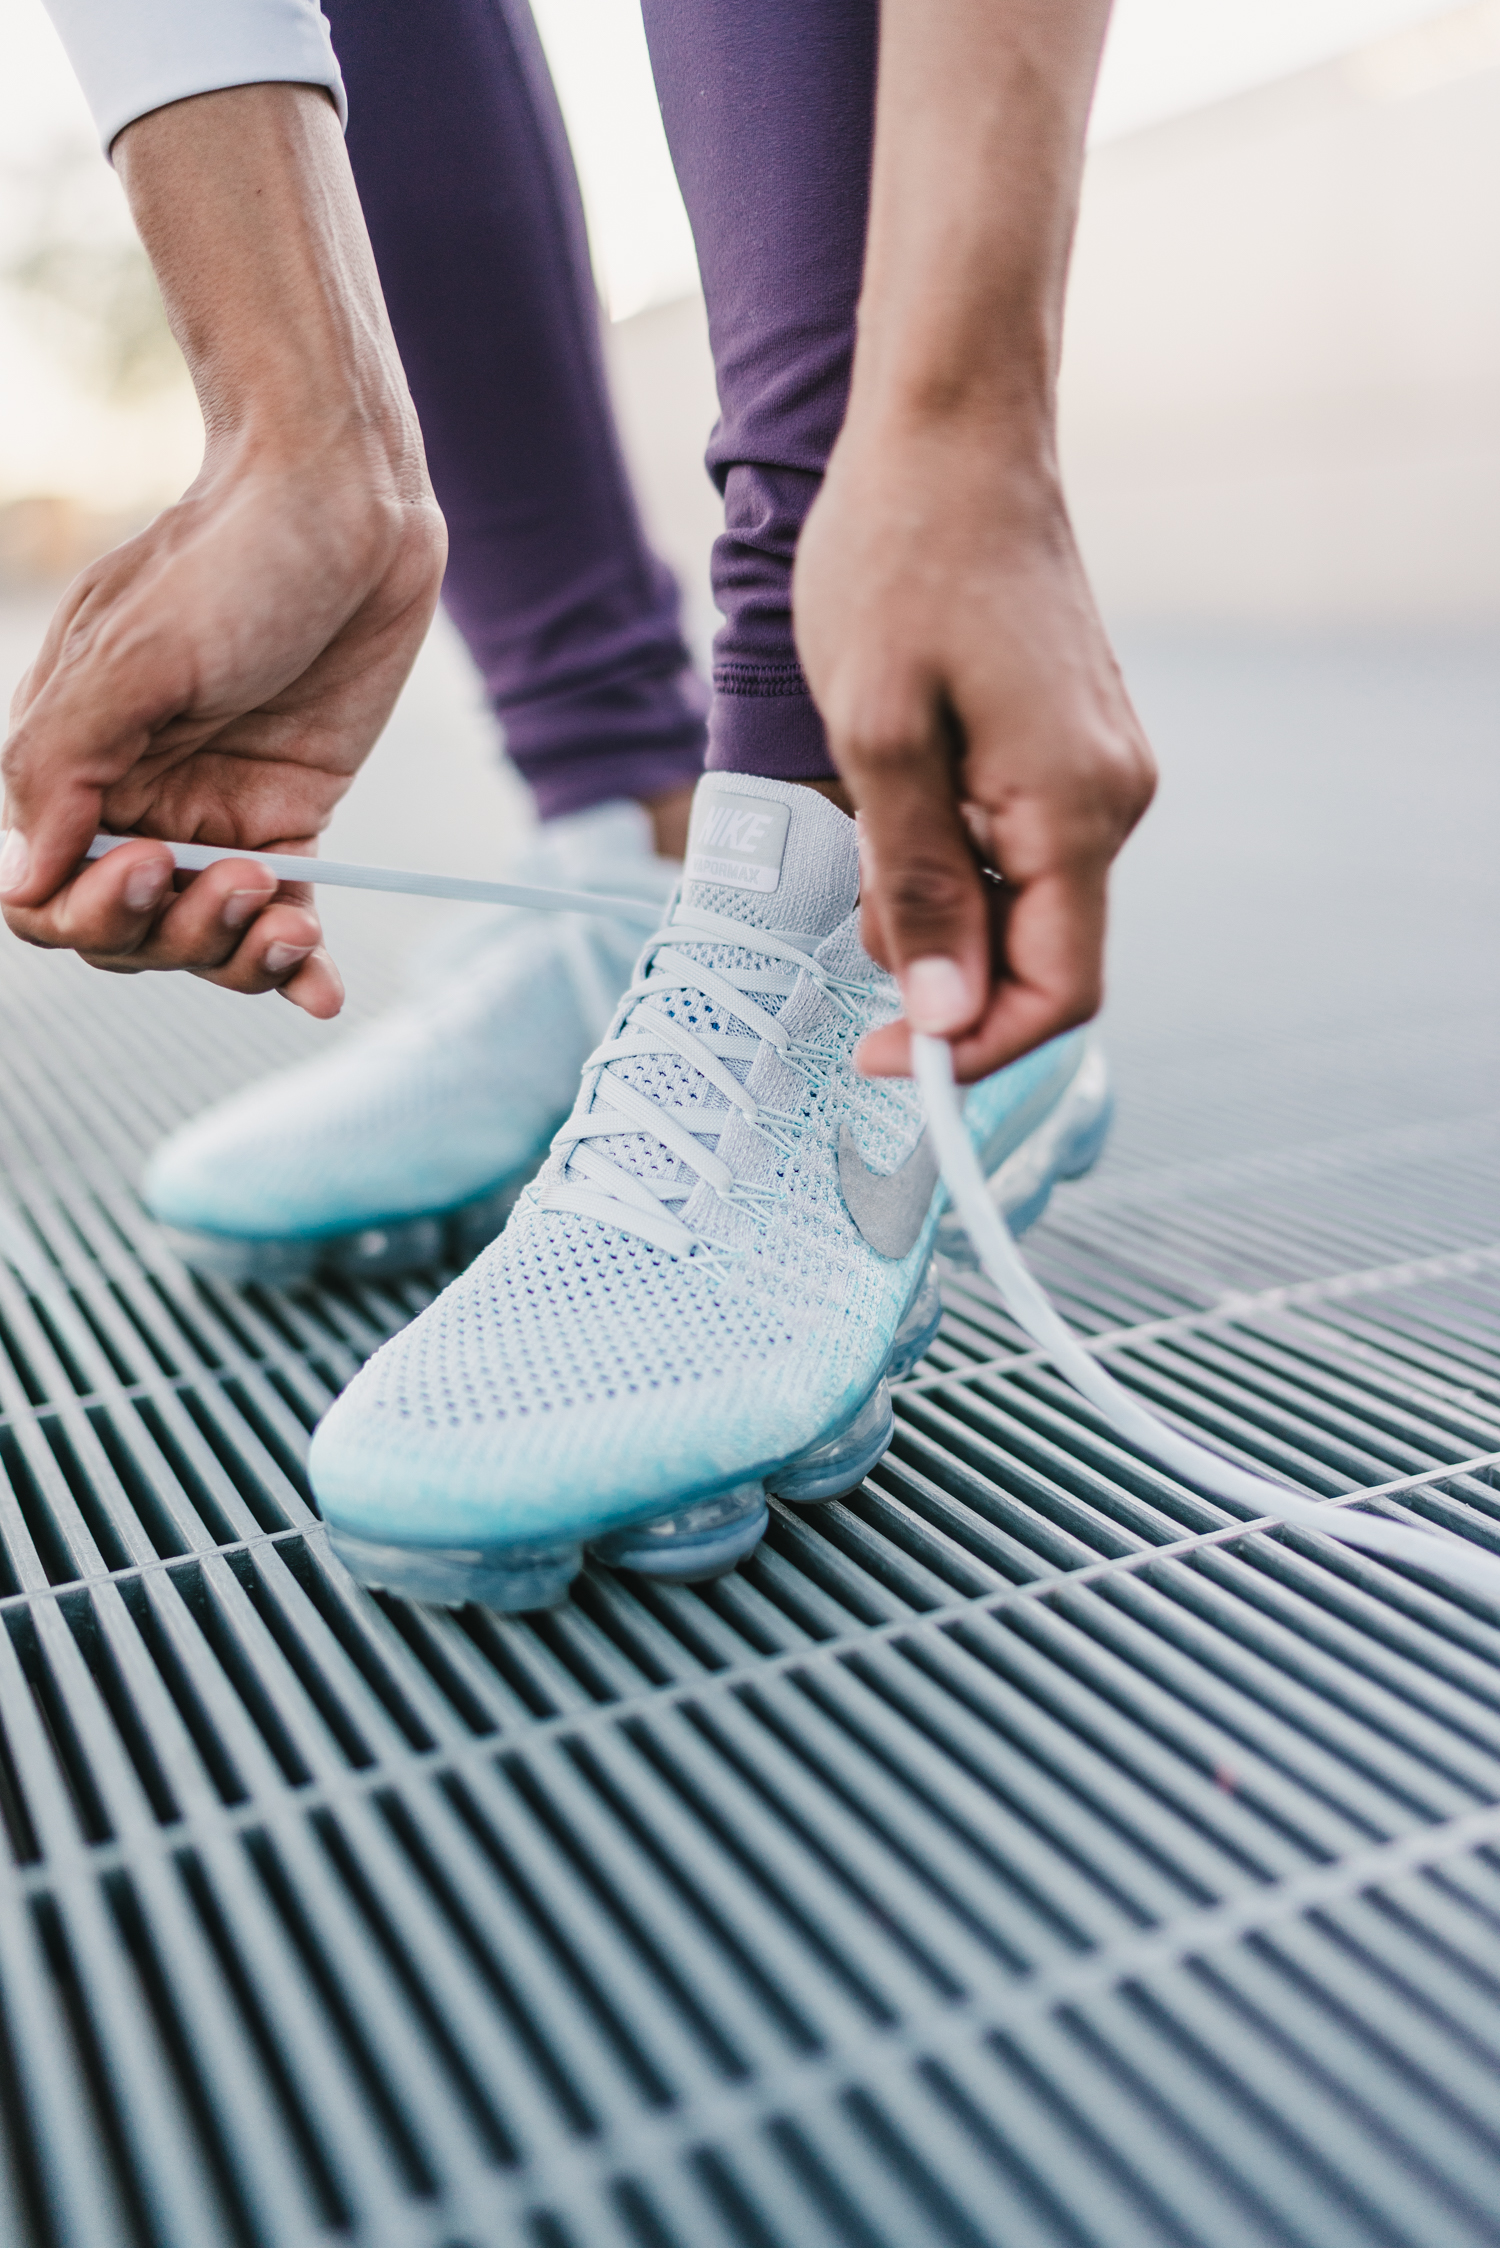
{"x": 445, "y": 1095}
{"x": 681, "y": 1300}
{"x": 581, "y": 1373}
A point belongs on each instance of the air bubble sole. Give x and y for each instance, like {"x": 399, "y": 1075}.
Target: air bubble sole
{"x": 693, "y": 1544}
{"x": 707, "y": 1537}
{"x": 383, "y": 1249}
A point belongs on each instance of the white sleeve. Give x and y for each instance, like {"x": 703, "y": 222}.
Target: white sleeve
{"x": 135, "y": 55}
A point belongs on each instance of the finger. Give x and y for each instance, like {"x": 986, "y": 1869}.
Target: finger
{"x": 1053, "y": 980}
{"x": 316, "y": 986}
{"x": 235, "y": 926}
{"x": 925, "y": 912}
{"x": 283, "y": 951}
{"x": 122, "y": 912}
{"x": 273, "y": 949}
{"x": 206, "y": 921}
{"x": 108, "y": 909}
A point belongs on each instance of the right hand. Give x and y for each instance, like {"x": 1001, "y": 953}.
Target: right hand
{"x": 217, "y": 679}
{"x": 220, "y": 678}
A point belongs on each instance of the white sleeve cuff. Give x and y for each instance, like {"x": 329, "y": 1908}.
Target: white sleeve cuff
{"x": 132, "y": 56}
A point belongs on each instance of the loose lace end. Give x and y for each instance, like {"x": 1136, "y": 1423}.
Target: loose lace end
{"x": 1463, "y": 1565}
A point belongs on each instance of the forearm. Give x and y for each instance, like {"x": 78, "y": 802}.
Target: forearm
{"x": 943, "y": 616}
{"x": 980, "y": 120}
{"x": 247, "y": 209}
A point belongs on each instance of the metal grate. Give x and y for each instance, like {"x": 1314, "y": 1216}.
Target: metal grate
{"x": 1021, "y": 1852}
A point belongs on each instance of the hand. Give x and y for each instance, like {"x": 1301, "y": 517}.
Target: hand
{"x": 953, "y": 648}
{"x": 217, "y": 679}
{"x": 220, "y": 678}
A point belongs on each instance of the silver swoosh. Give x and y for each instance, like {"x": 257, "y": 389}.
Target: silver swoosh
{"x": 890, "y": 1210}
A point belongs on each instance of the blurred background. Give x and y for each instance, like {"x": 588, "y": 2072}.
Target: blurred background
{"x": 1281, "y": 430}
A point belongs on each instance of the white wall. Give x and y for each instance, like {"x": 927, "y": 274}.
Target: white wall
{"x": 1281, "y": 390}
{"x": 1281, "y": 396}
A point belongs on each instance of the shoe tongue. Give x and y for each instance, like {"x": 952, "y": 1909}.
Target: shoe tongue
{"x": 770, "y": 853}
{"x": 773, "y": 856}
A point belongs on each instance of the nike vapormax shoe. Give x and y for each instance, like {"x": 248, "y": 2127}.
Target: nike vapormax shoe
{"x": 407, "y": 1144}
{"x": 705, "y": 1293}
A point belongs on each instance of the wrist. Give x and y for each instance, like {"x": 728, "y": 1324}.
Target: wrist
{"x": 340, "y": 447}
{"x": 981, "y": 360}
{"x": 923, "y": 434}
{"x": 247, "y": 208}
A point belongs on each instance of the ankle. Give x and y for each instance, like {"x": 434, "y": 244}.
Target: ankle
{"x": 836, "y": 793}
{"x": 669, "y": 821}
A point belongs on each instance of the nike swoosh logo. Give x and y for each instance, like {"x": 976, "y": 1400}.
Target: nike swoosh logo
{"x": 889, "y": 1210}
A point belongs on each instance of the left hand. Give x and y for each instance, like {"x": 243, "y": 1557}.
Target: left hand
{"x": 952, "y": 645}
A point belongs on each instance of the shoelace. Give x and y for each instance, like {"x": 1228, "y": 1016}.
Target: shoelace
{"x": 595, "y": 1186}
{"x": 592, "y": 983}
{"x": 337, "y": 874}
{"x": 1461, "y": 1563}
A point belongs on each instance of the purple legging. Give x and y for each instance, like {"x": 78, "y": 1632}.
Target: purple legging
{"x": 473, "y": 209}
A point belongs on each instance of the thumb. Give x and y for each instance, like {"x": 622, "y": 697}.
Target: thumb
{"x": 925, "y": 906}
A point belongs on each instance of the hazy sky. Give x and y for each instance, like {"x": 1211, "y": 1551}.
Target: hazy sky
{"x": 1163, "y": 56}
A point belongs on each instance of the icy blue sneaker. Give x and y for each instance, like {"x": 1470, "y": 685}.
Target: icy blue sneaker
{"x": 406, "y": 1146}
{"x": 703, "y": 1296}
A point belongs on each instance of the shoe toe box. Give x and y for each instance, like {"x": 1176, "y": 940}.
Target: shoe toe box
{"x": 576, "y": 1379}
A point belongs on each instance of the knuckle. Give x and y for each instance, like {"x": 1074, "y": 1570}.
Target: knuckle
{"x": 868, "y": 748}
{"x": 923, "y": 888}
{"x": 876, "y": 749}
{"x": 1080, "y": 1003}
{"x": 1128, "y": 782}
{"x": 880, "y": 725}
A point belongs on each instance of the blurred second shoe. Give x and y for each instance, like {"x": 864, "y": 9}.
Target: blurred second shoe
{"x": 406, "y": 1145}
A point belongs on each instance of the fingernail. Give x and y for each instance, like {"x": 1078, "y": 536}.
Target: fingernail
{"x": 934, "y": 996}
{"x": 241, "y": 905}
{"x": 144, "y": 886}
{"x": 280, "y": 957}
{"x": 15, "y": 862}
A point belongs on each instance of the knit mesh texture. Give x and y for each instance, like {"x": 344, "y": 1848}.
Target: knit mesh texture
{"x": 816, "y": 891}
{"x": 577, "y": 1376}
{"x": 575, "y": 1365}
{"x": 459, "y": 1088}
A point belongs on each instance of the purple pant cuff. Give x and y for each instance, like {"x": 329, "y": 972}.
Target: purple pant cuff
{"x": 780, "y": 737}
{"x": 594, "y": 776}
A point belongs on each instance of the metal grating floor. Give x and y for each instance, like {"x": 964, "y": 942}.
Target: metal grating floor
{"x": 1016, "y": 1854}
{"x": 1021, "y": 1855}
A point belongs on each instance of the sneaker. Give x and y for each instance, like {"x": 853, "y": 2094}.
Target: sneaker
{"x": 704, "y": 1295}
{"x": 714, "y": 1280}
{"x": 405, "y": 1147}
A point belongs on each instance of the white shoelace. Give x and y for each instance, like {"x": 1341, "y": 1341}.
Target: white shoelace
{"x": 620, "y": 1199}
{"x": 338, "y": 874}
{"x": 1463, "y": 1564}
{"x": 593, "y": 1184}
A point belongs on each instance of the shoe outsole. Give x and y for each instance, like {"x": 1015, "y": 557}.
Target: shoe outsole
{"x": 388, "y": 1249}
{"x": 711, "y": 1535}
